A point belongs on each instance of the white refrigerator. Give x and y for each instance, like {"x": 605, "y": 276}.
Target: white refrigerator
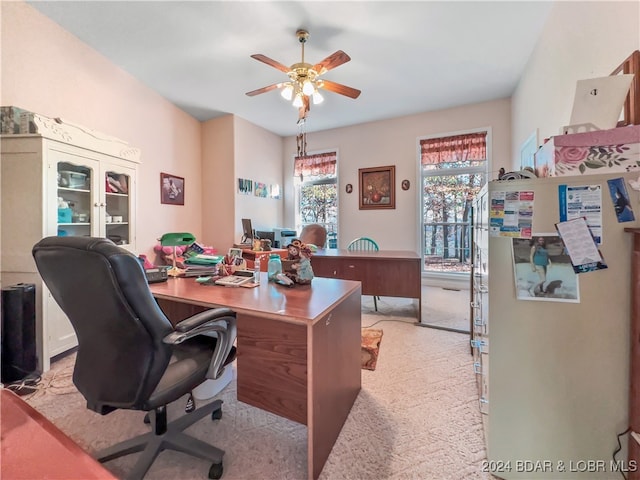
{"x": 557, "y": 378}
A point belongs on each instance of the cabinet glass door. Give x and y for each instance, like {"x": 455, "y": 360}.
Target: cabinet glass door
{"x": 118, "y": 207}
{"x": 75, "y": 197}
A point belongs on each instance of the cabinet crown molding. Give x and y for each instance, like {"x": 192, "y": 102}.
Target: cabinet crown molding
{"x": 22, "y": 122}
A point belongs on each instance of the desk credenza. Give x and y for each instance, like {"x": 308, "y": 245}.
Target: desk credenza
{"x": 298, "y": 349}
{"x": 385, "y": 273}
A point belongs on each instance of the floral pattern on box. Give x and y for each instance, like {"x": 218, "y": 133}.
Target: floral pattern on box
{"x": 602, "y": 151}
{"x": 611, "y": 158}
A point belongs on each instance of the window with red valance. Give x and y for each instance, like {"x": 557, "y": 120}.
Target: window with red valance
{"x": 321, "y": 164}
{"x": 455, "y": 151}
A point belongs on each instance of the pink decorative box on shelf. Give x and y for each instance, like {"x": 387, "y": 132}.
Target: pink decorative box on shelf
{"x": 590, "y": 153}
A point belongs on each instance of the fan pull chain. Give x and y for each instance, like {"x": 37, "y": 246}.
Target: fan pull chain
{"x": 301, "y": 142}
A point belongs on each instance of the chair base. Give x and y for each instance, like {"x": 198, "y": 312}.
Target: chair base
{"x": 172, "y": 437}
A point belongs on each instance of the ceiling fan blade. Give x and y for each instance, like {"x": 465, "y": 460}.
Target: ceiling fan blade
{"x": 332, "y": 61}
{"x": 264, "y": 89}
{"x": 341, "y": 89}
{"x": 270, "y": 61}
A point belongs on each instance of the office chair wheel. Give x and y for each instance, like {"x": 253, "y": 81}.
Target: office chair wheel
{"x": 216, "y": 415}
{"x": 215, "y": 472}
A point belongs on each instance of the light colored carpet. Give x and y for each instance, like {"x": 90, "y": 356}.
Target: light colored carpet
{"x": 441, "y": 307}
{"x": 416, "y": 418}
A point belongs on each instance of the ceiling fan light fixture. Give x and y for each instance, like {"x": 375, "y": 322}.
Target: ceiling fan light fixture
{"x": 317, "y": 98}
{"x": 287, "y": 92}
{"x": 304, "y": 82}
{"x": 307, "y": 87}
{"x": 297, "y": 102}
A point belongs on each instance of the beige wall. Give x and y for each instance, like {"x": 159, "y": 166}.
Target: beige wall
{"x": 580, "y": 40}
{"x": 217, "y": 182}
{"x": 395, "y": 142}
{"x": 54, "y": 74}
{"x": 233, "y": 148}
{"x": 48, "y": 71}
{"x": 258, "y": 157}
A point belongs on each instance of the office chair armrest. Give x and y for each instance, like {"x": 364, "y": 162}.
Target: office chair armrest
{"x": 203, "y": 317}
{"x": 219, "y": 322}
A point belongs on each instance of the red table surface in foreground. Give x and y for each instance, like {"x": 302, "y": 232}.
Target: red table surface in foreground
{"x": 32, "y": 447}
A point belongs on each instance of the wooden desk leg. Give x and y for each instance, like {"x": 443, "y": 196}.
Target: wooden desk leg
{"x": 334, "y": 378}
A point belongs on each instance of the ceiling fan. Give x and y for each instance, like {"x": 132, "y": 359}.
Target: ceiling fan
{"x": 304, "y": 79}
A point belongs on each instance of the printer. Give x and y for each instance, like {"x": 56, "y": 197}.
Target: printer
{"x": 283, "y": 236}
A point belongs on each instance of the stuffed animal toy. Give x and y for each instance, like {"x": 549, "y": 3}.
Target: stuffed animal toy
{"x": 166, "y": 254}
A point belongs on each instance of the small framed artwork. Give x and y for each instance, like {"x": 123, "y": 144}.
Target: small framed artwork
{"x": 171, "y": 189}
{"x": 406, "y": 184}
{"x": 261, "y": 189}
{"x": 377, "y": 187}
{"x": 528, "y": 150}
{"x": 348, "y": 188}
{"x": 245, "y": 186}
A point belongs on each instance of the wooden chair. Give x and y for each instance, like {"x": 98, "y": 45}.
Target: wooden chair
{"x": 366, "y": 244}
{"x": 363, "y": 243}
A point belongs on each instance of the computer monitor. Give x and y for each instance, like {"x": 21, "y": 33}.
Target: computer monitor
{"x": 247, "y": 231}
{"x": 264, "y": 235}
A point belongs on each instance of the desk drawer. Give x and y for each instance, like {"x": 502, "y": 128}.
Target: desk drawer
{"x": 393, "y": 278}
{"x": 326, "y": 267}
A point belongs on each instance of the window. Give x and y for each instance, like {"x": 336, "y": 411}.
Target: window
{"x": 453, "y": 171}
{"x": 316, "y": 187}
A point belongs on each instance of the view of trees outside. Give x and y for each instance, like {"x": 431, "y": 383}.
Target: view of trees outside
{"x": 447, "y": 193}
{"x": 446, "y": 219}
{"x": 319, "y": 204}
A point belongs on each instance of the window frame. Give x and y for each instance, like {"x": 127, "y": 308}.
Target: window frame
{"x": 297, "y": 189}
{"x": 423, "y": 173}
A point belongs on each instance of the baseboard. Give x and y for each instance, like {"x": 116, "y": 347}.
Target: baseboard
{"x": 452, "y": 280}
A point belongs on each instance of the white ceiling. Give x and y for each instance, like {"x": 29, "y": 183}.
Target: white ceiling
{"x": 406, "y": 57}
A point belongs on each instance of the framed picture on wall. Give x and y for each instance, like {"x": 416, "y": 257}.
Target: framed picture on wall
{"x": 171, "y": 189}
{"x": 528, "y": 150}
{"x": 377, "y": 187}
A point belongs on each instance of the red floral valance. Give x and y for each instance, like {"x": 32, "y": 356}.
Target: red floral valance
{"x": 314, "y": 165}
{"x": 459, "y": 148}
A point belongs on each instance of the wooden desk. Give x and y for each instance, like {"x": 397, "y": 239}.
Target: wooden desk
{"x": 386, "y": 273}
{"x": 33, "y": 447}
{"x": 298, "y": 349}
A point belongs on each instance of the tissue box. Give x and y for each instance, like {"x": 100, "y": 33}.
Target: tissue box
{"x": 72, "y": 179}
{"x": 64, "y": 215}
{"x": 590, "y": 153}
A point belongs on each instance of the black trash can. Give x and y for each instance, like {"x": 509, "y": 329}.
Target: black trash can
{"x": 18, "y": 332}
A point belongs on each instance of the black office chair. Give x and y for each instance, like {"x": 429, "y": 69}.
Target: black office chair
{"x": 129, "y": 355}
